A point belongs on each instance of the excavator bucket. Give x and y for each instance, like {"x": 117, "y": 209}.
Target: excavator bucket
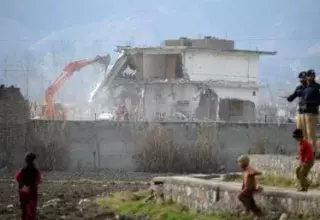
{"x": 104, "y": 61}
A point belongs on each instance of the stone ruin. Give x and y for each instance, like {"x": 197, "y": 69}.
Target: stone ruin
{"x": 14, "y": 115}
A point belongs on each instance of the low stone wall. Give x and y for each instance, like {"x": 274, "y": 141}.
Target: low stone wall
{"x": 212, "y": 195}
{"x": 284, "y": 166}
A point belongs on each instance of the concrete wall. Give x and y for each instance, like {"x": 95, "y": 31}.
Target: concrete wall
{"x": 207, "y": 196}
{"x": 205, "y": 65}
{"x": 120, "y": 142}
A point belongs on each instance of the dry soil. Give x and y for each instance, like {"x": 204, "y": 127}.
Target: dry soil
{"x": 59, "y": 199}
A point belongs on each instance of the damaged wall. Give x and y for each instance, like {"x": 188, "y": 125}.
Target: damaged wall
{"x": 165, "y": 101}
{"x": 208, "y": 105}
{"x": 137, "y": 60}
{"x": 181, "y": 101}
{"x": 173, "y": 100}
{"x": 154, "y": 66}
{"x": 162, "y": 66}
{"x": 235, "y": 110}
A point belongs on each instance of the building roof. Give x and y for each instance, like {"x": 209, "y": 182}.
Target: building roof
{"x": 152, "y": 50}
{"x": 259, "y": 52}
{"x": 179, "y": 49}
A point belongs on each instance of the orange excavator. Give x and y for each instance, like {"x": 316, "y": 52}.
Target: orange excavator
{"x": 56, "y": 111}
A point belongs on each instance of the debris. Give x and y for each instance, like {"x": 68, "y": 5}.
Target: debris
{"x": 283, "y": 216}
{"x": 10, "y": 206}
{"x": 51, "y": 203}
{"x": 82, "y": 201}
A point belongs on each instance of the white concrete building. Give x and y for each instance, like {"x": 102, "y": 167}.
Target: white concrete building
{"x": 231, "y": 73}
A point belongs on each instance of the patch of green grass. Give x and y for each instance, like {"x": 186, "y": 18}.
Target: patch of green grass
{"x": 135, "y": 203}
{"x": 230, "y": 177}
{"x": 277, "y": 181}
{"x": 269, "y": 180}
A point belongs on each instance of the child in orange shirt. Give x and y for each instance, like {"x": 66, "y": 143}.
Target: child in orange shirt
{"x": 249, "y": 186}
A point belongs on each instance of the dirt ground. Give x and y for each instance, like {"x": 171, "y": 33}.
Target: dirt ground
{"x": 65, "y": 199}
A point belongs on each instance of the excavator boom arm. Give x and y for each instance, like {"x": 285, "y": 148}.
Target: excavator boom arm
{"x": 67, "y": 72}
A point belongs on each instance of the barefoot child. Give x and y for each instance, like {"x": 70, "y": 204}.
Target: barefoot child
{"x": 28, "y": 179}
{"x": 306, "y": 157}
{"x": 249, "y": 186}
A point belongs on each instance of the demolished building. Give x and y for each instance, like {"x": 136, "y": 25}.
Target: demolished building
{"x": 186, "y": 79}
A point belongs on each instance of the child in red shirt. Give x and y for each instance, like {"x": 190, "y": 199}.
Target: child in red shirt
{"x": 28, "y": 179}
{"x": 306, "y": 157}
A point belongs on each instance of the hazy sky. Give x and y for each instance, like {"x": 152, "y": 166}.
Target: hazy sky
{"x": 247, "y": 18}
{"x": 277, "y": 24}
{"x": 77, "y": 29}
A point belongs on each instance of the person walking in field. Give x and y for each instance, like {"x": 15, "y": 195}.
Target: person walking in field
{"x": 306, "y": 160}
{"x": 249, "y": 186}
{"x": 28, "y": 179}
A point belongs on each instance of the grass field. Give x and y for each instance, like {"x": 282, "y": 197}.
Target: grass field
{"x": 138, "y": 203}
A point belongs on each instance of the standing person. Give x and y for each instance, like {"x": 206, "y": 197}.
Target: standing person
{"x": 300, "y": 120}
{"x": 311, "y": 97}
{"x": 28, "y": 179}
{"x": 249, "y": 186}
{"x": 306, "y": 158}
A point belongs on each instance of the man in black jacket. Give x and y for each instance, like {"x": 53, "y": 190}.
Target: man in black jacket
{"x": 300, "y": 120}
{"x": 311, "y": 97}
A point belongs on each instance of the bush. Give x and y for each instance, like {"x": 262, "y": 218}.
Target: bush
{"x": 52, "y": 157}
{"x": 49, "y": 143}
{"x": 162, "y": 155}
